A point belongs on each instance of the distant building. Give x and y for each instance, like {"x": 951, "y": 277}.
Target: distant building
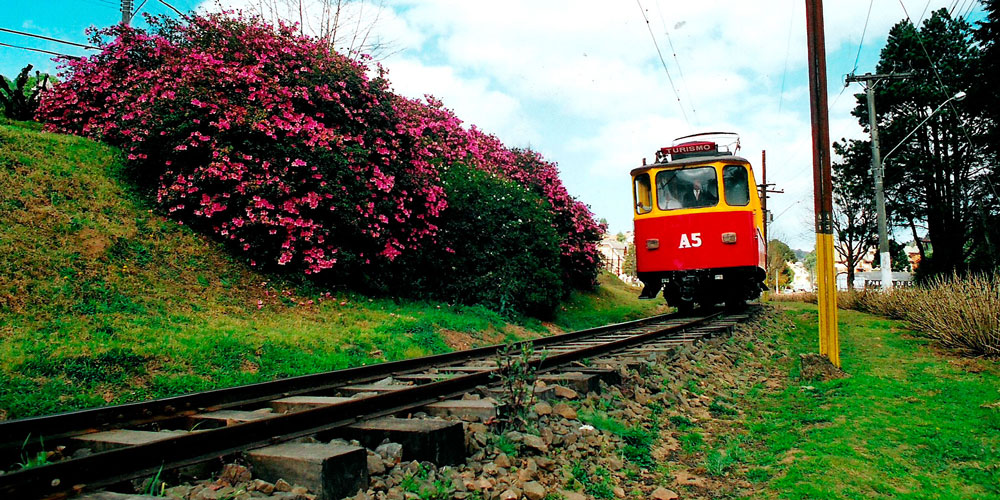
{"x": 614, "y": 250}
{"x": 801, "y": 277}
{"x": 913, "y": 252}
{"x": 865, "y": 264}
{"x": 867, "y": 275}
{"x": 873, "y": 279}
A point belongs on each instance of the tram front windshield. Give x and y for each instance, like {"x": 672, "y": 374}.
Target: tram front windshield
{"x": 686, "y": 188}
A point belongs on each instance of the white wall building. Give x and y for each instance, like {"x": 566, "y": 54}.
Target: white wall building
{"x": 614, "y": 253}
{"x": 801, "y": 279}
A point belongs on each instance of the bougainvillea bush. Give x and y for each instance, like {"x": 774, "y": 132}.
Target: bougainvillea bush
{"x": 299, "y": 157}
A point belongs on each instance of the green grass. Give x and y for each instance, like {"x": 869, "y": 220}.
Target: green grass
{"x": 691, "y": 442}
{"x": 908, "y": 423}
{"x": 597, "y": 484}
{"x": 103, "y": 300}
{"x": 613, "y": 302}
{"x": 637, "y": 439}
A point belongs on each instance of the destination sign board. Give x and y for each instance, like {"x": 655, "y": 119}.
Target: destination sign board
{"x": 691, "y": 147}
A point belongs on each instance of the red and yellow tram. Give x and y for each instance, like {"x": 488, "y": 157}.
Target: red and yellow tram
{"x": 699, "y": 224}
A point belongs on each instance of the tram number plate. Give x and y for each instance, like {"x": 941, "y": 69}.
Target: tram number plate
{"x": 690, "y": 241}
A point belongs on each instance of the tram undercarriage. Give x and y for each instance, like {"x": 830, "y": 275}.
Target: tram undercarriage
{"x": 705, "y": 287}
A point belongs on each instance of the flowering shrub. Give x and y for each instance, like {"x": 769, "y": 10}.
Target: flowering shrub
{"x": 259, "y": 136}
{"x": 571, "y": 218}
{"x": 290, "y": 152}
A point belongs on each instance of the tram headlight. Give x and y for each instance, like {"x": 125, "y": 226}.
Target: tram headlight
{"x": 729, "y": 238}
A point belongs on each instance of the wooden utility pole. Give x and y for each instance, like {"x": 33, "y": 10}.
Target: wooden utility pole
{"x": 829, "y": 342}
{"x": 765, "y": 189}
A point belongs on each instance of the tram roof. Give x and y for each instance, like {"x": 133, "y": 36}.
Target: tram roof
{"x": 692, "y": 160}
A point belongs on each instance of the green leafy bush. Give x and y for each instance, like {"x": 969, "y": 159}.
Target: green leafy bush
{"x": 496, "y": 247}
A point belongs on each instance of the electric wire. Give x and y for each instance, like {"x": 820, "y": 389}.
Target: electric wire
{"x": 969, "y": 10}
{"x": 179, "y": 13}
{"x": 103, "y": 3}
{"x": 951, "y": 10}
{"x": 137, "y": 9}
{"x": 662, "y": 61}
{"x": 922, "y": 14}
{"x": 677, "y": 61}
{"x": 788, "y": 50}
{"x": 861, "y": 44}
{"x": 937, "y": 74}
{"x": 38, "y": 50}
{"x": 971, "y": 6}
{"x": 959, "y": 7}
{"x": 22, "y": 33}
{"x": 863, "y": 31}
{"x": 776, "y": 217}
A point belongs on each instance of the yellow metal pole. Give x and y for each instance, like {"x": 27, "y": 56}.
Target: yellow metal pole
{"x": 821, "y": 279}
{"x": 829, "y": 342}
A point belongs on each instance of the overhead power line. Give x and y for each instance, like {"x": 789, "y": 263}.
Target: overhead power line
{"x": 677, "y": 62}
{"x": 38, "y": 50}
{"x": 102, "y": 3}
{"x": 863, "y": 31}
{"x": 922, "y": 14}
{"x": 937, "y": 73}
{"x": 137, "y": 9}
{"x": 662, "y": 61}
{"x": 90, "y": 47}
{"x": 179, "y": 13}
{"x": 944, "y": 88}
{"x": 788, "y": 49}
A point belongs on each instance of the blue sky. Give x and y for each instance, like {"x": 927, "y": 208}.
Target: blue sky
{"x": 581, "y": 81}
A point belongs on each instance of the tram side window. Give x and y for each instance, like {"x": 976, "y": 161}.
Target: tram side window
{"x": 736, "y": 185}
{"x": 643, "y": 194}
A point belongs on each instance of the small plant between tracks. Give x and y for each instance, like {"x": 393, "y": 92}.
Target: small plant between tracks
{"x": 517, "y": 376}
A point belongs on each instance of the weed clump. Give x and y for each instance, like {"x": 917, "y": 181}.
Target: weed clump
{"x": 517, "y": 376}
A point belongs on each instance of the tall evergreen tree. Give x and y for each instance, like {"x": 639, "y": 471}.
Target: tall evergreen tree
{"x": 986, "y": 253}
{"x": 938, "y": 175}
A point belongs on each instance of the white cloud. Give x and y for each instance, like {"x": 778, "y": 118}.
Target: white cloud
{"x": 471, "y": 99}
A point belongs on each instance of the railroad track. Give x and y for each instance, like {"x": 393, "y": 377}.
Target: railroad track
{"x": 140, "y": 439}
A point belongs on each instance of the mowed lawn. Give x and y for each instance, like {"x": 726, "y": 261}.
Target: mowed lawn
{"x": 911, "y": 421}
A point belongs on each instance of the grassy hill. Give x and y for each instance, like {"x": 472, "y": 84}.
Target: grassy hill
{"x": 103, "y": 300}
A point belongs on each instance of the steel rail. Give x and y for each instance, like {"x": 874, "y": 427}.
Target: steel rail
{"x": 68, "y": 477}
{"x": 15, "y": 433}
